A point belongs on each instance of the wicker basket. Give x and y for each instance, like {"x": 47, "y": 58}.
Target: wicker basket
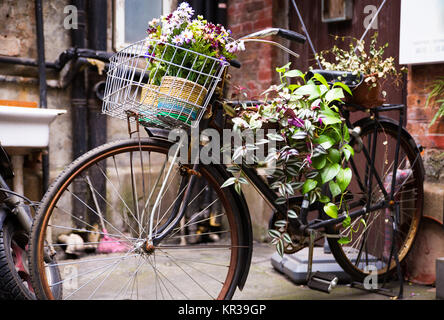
{"x": 180, "y": 100}
{"x": 150, "y": 95}
{"x": 149, "y": 98}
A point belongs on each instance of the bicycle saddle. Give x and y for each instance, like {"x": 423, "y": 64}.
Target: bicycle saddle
{"x": 332, "y": 76}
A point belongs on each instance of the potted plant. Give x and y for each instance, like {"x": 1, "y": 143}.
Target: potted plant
{"x": 370, "y": 66}
{"x": 312, "y": 145}
{"x": 184, "y": 72}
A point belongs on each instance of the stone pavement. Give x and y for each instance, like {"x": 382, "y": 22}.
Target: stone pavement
{"x": 264, "y": 283}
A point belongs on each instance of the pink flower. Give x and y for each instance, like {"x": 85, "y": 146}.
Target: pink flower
{"x": 309, "y": 159}
{"x": 296, "y": 122}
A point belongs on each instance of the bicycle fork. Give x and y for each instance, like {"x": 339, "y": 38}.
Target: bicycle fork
{"x": 179, "y": 209}
{"x": 16, "y": 205}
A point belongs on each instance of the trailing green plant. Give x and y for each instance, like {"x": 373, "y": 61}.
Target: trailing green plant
{"x": 312, "y": 145}
{"x": 371, "y": 64}
{"x": 436, "y": 95}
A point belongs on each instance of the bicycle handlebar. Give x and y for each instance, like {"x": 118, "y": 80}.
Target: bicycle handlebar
{"x": 284, "y": 33}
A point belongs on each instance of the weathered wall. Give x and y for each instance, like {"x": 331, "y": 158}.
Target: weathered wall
{"x": 17, "y": 39}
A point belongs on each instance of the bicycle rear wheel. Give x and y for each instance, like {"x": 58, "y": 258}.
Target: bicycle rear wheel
{"x": 370, "y": 246}
{"x": 113, "y": 222}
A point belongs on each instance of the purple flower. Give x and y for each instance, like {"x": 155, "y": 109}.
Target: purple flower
{"x": 320, "y": 120}
{"x": 309, "y": 159}
{"x": 296, "y": 122}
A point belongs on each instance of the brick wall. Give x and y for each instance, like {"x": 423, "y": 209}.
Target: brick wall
{"x": 259, "y": 60}
{"x": 420, "y": 78}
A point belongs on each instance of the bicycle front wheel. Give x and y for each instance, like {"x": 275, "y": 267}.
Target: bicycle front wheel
{"x": 370, "y": 242}
{"x": 94, "y": 221}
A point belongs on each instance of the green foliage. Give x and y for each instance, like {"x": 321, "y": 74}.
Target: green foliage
{"x": 436, "y": 95}
{"x": 312, "y": 142}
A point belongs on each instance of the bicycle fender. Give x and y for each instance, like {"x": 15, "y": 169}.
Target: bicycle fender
{"x": 246, "y": 234}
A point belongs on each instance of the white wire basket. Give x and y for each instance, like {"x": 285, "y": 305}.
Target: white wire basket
{"x": 165, "y": 85}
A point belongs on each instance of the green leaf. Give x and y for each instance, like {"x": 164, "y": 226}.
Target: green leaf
{"x": 275, "y": 137}
{"x": 292, "y": 214}
{"x": 334, "y": 94}
{"x": 334, "y": 188}
{"x": 348, "y": 151}
{"x": 324, "y": 199}
{"x": 229, "y": 182}
{"x": 346, "y": 223}
{"x": 283, "y": 68}
{"x": 309, "y": 185}
{"x": 321, "y": 79}
{"x": 299, "y": 135}
{"x": 280, "y": 248}
{"x": 330, "y": 117}
{"x": 331, "y": 210}
{"x": 238, "y": 187}
{"x": 343, "y": 86}
{"x": 325, "y": 141}
{"x": 343, "y": 178}
{"x": 344, "y": 240}
{"x": 293, "y": 73}
{"x": 312, "y": 90}
{"x": 287, "y": 238}
{"x": 345, "y": 133}
{"x": 280, "y": 223}
{"x": 233, "y": 169}
{"x": 334, "y": 155}
{"x": 274, "y": 233}
{"x": 319, "y": 162}
{"x": 329, "y": 172}
{"x": 280, "y": 200}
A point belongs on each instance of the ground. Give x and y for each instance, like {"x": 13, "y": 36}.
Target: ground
{"x": 264, "y": 282}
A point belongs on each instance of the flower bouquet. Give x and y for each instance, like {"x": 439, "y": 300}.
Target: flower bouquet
{"x": 185, "y": 57}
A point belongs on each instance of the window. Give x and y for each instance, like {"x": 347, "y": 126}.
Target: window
{"x": 131, "y": 19}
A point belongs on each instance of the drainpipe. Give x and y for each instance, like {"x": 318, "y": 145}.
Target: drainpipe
{"x": 97, "y": 129}
{"x": 42, "y": 83}
{"x": 79, "y": 112}
{"x": 78, "y": 88}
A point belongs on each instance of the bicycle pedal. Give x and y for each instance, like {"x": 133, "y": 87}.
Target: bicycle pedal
{"x": 322, "y": 281}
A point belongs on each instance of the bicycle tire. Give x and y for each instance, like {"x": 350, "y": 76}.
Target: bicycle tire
{"x": 114, "y": 150}
{"x": 347, "y": 255}
{"x": 14, "y": 284}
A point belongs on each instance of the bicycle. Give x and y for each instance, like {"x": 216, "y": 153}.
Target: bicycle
{"x": 15, "y": 225}
{"x": 150, "y": 192}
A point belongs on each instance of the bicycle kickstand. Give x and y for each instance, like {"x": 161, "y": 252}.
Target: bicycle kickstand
{"x": 320, "y": 281}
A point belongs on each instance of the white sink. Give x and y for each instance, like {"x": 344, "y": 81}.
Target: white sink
{"x": 26, "y": 128}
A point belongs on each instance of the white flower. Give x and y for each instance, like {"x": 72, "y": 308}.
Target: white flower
{"x": 154, "y": 22}
{"x": 187, "y": 36}
{"x": 178, "y": 40}
{"x": 185, "y": 10}
{"x": 231, "y": 47}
